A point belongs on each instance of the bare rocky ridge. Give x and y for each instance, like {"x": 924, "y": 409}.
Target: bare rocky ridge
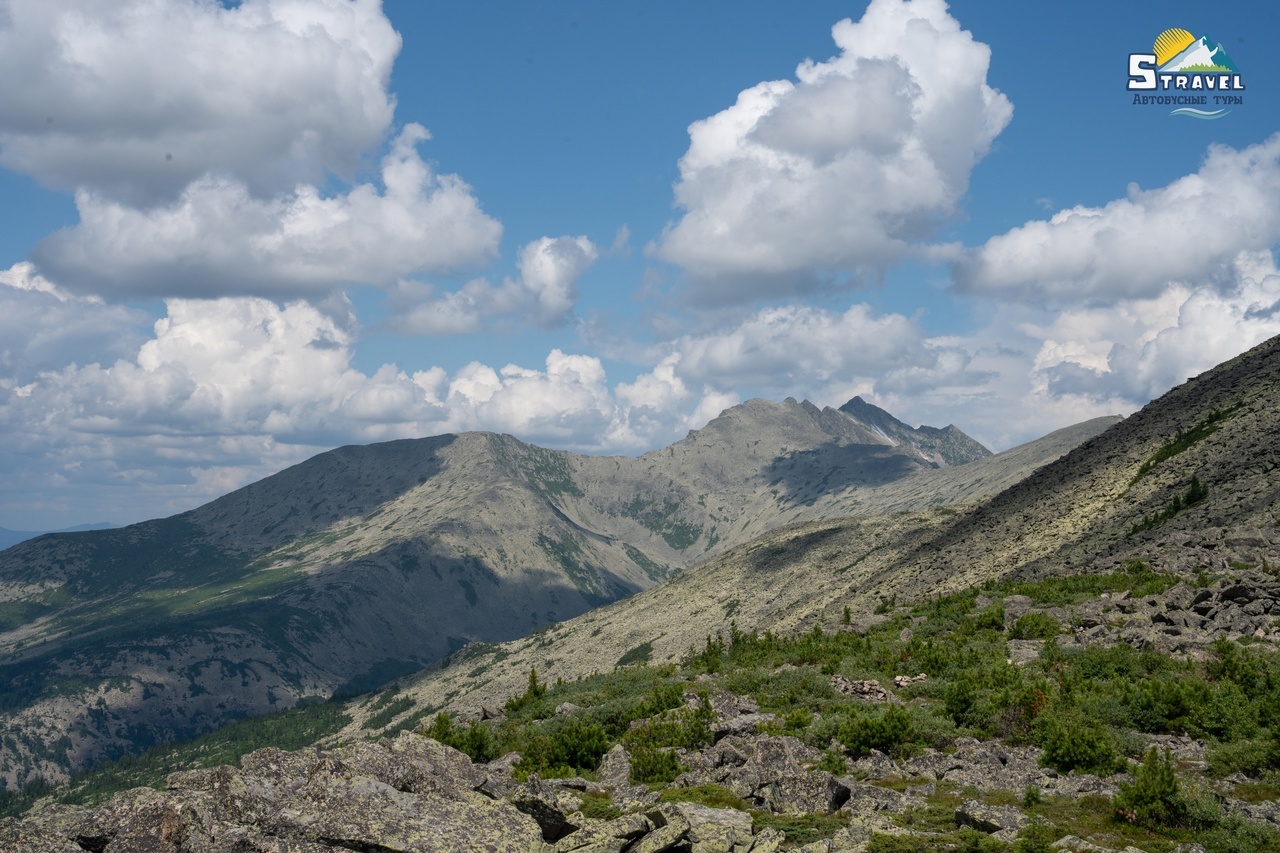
{"x": 368, "y": 562}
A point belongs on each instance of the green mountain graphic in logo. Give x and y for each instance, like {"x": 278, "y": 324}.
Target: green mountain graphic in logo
{"x": 1178, "y": 50}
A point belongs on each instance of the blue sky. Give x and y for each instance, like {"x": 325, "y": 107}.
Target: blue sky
{"x": 232, "y": 236}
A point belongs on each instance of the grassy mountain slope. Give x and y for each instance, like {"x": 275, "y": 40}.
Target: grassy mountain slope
{"x": 367, "y": 562}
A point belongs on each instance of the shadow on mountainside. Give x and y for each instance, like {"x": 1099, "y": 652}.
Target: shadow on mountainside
{"x": 834, "y": 467}
{"x": 347, "y": 482}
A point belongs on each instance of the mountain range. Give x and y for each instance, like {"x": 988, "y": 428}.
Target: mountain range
{"x": 1073, "y": 640}
{"x": 367, "y": 563}
{"x": 1187, "y": 486}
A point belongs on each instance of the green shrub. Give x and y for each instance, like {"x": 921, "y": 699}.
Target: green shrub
{"x": 887, "y": 732}
{"x": 475, "y": 740}
{"x": 1167, "y": 705}
{"x": 1228, "y": 715}
{"x": 884, "y": 843}
{"x": 686, "y": 727}
{"x": 960, "y": 700}
{"x": 833, "y": 762}
{"x": 989, "y": 618}
{"x": 1037, "y": 837}
{"x": 529, "y": 704}
{"x": 1154, "y": 798}
{"x": 1017, "y": 708}
{"x": 1232, "y": 662}
{"x": 799, "y": 829}
{"x": 715, "y": 796}
{"x": 1071, "y": 742}
{"x": 599, "y": 805}
{"x": 1254, "y": 757}
{"x": 575, "y": 747}
{"x": 653, "y": 766}
{"x": 794, "y": 722}
{"x": 782, "y": 692}
{"x": 1034, "y": 626}
{"x": 709, "y": 658}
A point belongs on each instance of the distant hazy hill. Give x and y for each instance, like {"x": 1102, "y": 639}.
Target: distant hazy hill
{"x": 9, "y": 538}
{"x": 365, "y": 563}
{"x": 1187, "y": 484}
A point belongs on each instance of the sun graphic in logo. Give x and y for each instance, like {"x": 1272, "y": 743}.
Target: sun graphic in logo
{"x": 1170, "y": 43}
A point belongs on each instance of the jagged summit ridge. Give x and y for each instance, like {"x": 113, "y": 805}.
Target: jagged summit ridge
{"x": 779, "y": 427}
{"x": 946, "y": 446}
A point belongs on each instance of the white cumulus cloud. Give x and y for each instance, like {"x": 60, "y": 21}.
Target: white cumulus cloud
{"x": 1140, "y": 348}
{"x": 43, "y": 327}
{"x": 132, "y": 100}
{"x": 218, "y": 238}
{"x": 545, "y": 292}
{"x": 1135, "y": 247}
{"x": 843, "y": 172}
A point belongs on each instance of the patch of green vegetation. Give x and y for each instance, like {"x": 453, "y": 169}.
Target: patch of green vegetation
{"x": 938, "y": 814}
{"x": 658, "y": 516}
{"x": 1082, "y": 706}
{"x": 799, "y": 829}
{"x": 387, "y": 714}
{"x": 1072, "y": 742}
{"x": 1137, "y": 578}
{"x": 475, "y": 740}
{"x": 15, "y": 614}
{"x": 1184, "y": 440}
{"x": 1195, "y": 493}
{"x": 655, "y": 571}
{"x": 1034, "y": 626}
{"x": 713, "y": 796}
{"x": 568, "y": 553}
{"x": 599, "y": 805}
{"x": 1257, "y": 792}
{"x": 1202, "y": 68}
{"x": 548, "y": 471}
{"x": 383, "y": 699}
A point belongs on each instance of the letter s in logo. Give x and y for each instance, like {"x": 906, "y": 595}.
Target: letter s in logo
{"x": 1142, "y": 71}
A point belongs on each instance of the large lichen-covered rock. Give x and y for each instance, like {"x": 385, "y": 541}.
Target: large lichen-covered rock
{"x": 710, "y": 830}
{"x": 803, "y": 793}
{"x": 615, "y": 767}
{"x": 29, "y": 837}
{"x": 549, "y": 807}
{"x": 988, "y": 818}
{"x": 412, "y": 763}
{"x": 867, "y": 799}
{"x": 602, "y": 836}
{"x": 409, "y": 794}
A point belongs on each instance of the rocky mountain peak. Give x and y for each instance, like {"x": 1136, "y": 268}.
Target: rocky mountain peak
{"x": 946, "y": 446}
